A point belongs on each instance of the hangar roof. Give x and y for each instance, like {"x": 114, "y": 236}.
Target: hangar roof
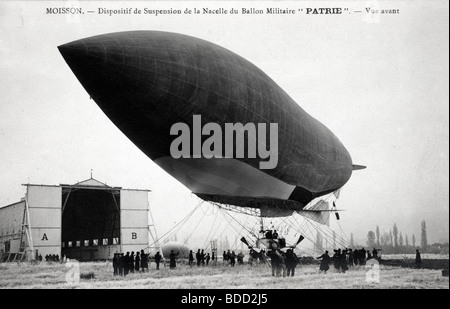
{"x": 90, "y": 183}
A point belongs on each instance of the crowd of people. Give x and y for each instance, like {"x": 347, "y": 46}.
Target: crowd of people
{"x": 123, "y": 264}
{"x": 230, "y": 257}
{"x": 201, "y": 258}
{"x": 282, "y": 262}
{"x": 50, "y": 258}
{"x": 344, "y": 259}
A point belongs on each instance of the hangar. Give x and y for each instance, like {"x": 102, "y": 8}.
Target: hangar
{"x": 86, "y": 221}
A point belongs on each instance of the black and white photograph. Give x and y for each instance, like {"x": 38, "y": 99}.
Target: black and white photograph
{"x": 224, "y": 149}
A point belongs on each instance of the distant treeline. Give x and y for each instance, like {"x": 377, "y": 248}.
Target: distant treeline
{"x": 395, "y": 242}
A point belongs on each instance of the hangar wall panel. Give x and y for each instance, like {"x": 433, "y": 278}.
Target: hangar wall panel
{"x": 44, "y": 196}
{"x": 45, "y": 218}
{"x": 11, "y": 219}
{"x": 46, "y": 239}
{"x": 134, "y": 219}
{"x": 15, "y": 245}
{"x": 133, "y": 199}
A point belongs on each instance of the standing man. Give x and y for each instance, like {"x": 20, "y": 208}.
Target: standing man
{"x": 137, "y": 262}
{"x": 291, "y": 262}
{"x": 337, "y": 260}
{"x": 375, "y": 254}
{"x": 157, "y": 259}
{"x": 362, "y": 256}
{"x": 198, "y": 257}
{"x": 350, "y": 258}
{"x": 191, "y": 258}
{"x": 144, "y": 261}
{"x": 131, "y": 262}
{"x": 115, "y": 263}
{"x": 126, "y": 260}
{"x": 232, "y": 258}
{"x": 173, "y": 261}
{"x": 120, "y": 263}
{"x": 225, "y": 257}
{"x": 418, "y": 259}
{"x": 325, "y": 263}
{"x": 343, "y": 261}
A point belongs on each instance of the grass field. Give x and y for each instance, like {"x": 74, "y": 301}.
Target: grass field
{"x": 53, "y": 276}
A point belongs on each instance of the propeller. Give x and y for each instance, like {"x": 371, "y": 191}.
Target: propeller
{"x": 298, "y": 241}
{"x": 245, "y": 242}
{"x": 336, "y": 213}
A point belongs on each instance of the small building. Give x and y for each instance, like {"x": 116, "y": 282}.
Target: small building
{"x": 86, "y": 221}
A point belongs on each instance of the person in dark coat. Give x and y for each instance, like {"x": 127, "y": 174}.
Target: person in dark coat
{"x": 191, "y": 258}
{"x": 137, "y": 262}
{"x": 362, "y": 256}
{"x": 198, "y": 257}
{"x": 157, "y": 259}
{"x": 418, "y": 259}
{"x": 350, "y": 258}
{"x": 207, "y": 258}
{"x": 343, "y": 261}
{"x": 240, "y": 258}
{"x": 131, "y": 262}
{"x": 337, "y": 260}
{"x": 291, "y": 262}
{"x": 144, "y": 261}
{"x": 115, "y": 263}
{"x": 275, "y": 234}
{"x": 121, "y": 263}
{"x": 225, "y": 256}
{"x": 375, "y": 254}
{"x": 325, "y": 263}
{"x": 172, "y": 259}
{"x": 356, "y": 257}
{"x": 126, "y": 261}
{"x": 232, "y": 259}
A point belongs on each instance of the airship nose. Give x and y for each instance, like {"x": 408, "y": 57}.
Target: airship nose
{"x": 129, "y": 70}
{"x": 123, "y": 75}
{"x": 133, "y": 79}
{"x": 103, "y": 66}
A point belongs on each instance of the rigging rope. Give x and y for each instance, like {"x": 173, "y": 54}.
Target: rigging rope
{"x": 182, "y": 221}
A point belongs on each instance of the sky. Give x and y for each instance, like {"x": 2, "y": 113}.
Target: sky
{"x": 379, "y": 82}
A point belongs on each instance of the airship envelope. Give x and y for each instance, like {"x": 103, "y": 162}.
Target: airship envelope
{"x": 148, "y": 81}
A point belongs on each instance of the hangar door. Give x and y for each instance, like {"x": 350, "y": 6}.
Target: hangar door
{"x": 44, "y": 204}
{"x": 90, "y": 222}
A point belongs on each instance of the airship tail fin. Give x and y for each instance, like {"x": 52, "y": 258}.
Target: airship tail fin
{"x": 358, "y": 167}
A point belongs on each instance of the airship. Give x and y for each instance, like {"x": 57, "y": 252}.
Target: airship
{"x": 148, "y": 81}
